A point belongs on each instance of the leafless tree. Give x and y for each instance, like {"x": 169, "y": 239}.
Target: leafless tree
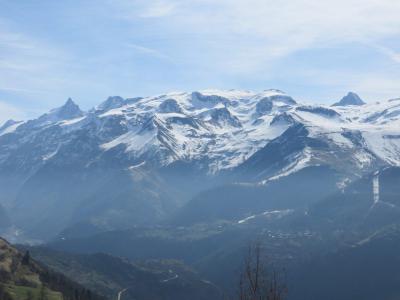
{"x": 258, "y": 279}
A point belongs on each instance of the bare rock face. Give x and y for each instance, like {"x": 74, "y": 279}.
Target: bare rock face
{"x": 350, "y": 99}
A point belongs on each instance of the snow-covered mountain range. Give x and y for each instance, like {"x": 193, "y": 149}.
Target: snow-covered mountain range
{"x": 254, "y": 137}
{"x": 217, "y": 130}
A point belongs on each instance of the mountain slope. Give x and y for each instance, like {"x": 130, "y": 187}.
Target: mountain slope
{"x": 216, "y": 129}
{"x": 352, "y": 232}
{"x": 368, "y": 204}
{"x": 234, "y": 202}
{"x": 22, "y": 278}
{"x": 365, "y": 270}
{"x": 135, "y": 161}
{"x": 108, "y": 275}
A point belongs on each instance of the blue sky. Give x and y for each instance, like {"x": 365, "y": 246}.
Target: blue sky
{"x": 315, "y": 50}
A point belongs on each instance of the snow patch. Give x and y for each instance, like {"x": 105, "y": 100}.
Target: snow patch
{"x": 11, "y": 128}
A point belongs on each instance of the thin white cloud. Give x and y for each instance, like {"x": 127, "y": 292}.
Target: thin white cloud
{"x": 393, "y": 55}
{"x": 157, "y": 9}
{"x": 224, "y": 42}
{"x": 149, "y": 51}
{"x": 25, "y": 91}
{"x": 31, "y": 66}
{"x": 262, "y": 31}
{"x": 143, "y": 9}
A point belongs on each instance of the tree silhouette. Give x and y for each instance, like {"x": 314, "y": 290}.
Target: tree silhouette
{"x": 258, "y": 280}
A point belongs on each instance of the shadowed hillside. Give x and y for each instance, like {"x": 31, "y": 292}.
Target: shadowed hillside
{"x": 21, "y": 278}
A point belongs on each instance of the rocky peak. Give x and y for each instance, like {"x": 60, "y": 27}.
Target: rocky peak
{"x": 350, "y": 99}
{"x": 69, "y": 110}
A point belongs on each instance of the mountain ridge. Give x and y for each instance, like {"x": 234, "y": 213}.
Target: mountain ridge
{"x": 165, "y": 149}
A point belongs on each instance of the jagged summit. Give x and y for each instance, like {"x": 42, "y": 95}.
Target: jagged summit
{"x": 350, "y": 99}
{"x": 69, "y": 110}
{"x": 217, "y": 129}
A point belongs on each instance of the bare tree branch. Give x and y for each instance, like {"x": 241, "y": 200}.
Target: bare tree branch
{"x": 258, "y": 280}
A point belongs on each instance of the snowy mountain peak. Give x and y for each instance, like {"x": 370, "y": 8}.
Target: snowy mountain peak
{"x": 69, "y": 110}
{"x": 217, "y": 130}
{"x": 350, "y": 99}
{"x": 111, "y": 103}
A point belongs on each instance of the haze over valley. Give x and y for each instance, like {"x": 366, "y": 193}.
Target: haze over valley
{"x": 193, "y": 177}
{"x": 199, "y": 150}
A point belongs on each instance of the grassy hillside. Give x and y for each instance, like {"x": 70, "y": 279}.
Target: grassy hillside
{"x": 21, "y": 278}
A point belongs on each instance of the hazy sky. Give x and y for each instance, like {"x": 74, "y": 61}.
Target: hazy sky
{"x": 88, "y": 49}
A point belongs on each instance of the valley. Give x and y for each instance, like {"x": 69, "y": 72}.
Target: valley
{"x": 159, "y": 197}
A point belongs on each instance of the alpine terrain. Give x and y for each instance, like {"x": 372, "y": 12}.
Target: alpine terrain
{"x": 167, "y": 191}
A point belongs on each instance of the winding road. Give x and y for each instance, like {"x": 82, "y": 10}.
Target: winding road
{"x": 175, "y": 276}
{"x": 121, "y": 292}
